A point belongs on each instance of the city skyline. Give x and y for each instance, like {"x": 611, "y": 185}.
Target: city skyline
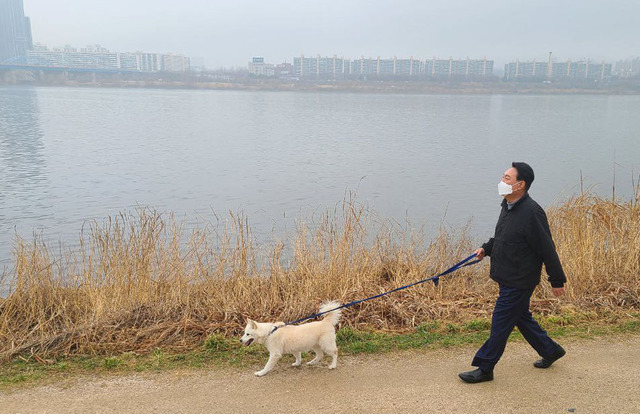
{"x": 332, "y": 67}
{"x": 227, "y": 34}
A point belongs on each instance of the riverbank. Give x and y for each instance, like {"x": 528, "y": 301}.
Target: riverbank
{"x": 138, "y": 284}
{"x": 493, "y": 87}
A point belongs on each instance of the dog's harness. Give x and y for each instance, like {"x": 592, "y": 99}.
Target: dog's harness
{"x": 435, "y": 279}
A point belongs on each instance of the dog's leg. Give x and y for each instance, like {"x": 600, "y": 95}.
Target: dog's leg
{"x": 318, "y": 358}
{"x": 273, "y": 360}
{"x": 328, "y": 345}
{"x": 334, "y": 354}
{"x": 298, "y": 356}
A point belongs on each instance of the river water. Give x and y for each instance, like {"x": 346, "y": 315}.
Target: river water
{"x": 68, "y": 155}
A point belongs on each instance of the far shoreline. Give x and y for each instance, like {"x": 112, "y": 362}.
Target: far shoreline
{"x": 360, "y": 87}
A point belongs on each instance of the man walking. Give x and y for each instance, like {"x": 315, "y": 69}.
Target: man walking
{"x": 522, "y": 242}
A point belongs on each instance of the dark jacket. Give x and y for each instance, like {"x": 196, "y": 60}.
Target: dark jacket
{"x": 522, "y": 242}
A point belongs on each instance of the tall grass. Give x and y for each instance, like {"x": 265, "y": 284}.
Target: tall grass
{"x": 139, "y": 281}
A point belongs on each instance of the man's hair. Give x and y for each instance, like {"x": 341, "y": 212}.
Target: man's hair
{"x": 525, "y": 173}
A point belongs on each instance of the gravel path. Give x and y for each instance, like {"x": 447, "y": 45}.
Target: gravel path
{"x": 596, "y": 376}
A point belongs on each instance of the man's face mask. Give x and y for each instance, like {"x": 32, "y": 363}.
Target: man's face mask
{"x": 504, "y": 188}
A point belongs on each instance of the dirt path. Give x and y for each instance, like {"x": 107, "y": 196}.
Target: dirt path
{"x": 596, "y": 376}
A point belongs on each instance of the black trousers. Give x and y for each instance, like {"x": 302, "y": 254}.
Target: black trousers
{"x": 511, "y": 310}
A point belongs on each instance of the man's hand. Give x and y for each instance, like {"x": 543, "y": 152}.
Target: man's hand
{"x": 558, "y": 291}
{"x": 480, "y": 253}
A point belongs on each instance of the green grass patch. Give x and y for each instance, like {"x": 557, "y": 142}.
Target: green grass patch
{"x": 217, "y": 343}
{"x": 218, "y": 351}
{"x": 109, "y": 362}
{"x": 478, "y": 325}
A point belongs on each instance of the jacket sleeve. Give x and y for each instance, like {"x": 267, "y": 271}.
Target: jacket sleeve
{"x": 488, "y": 246}
{"x": 540, "y": 240}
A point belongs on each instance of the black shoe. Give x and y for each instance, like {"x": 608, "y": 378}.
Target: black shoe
{"x": 546, "y": 362}
{"x": 477, "y": 375}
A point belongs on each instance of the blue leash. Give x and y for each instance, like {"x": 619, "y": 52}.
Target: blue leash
{"x": 435, "y": 279}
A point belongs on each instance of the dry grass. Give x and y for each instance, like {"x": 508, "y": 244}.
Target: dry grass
{"x": 138, "y": 282}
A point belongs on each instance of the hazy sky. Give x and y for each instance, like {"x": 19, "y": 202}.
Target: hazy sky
{"x": 230, "y": 32}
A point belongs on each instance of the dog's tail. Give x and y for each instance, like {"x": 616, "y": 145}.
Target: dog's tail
{"x": 334, "y": 316}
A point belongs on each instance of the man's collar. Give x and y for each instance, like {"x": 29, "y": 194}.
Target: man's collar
{"x": 515, "y": 203}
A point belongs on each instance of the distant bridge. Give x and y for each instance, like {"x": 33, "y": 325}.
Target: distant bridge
{"x": 62, "y": 69}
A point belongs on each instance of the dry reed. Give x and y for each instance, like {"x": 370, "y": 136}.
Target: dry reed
{"x": 137, "y": 281}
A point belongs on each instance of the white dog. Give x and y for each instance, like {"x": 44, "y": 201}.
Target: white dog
{"x": 318, "y": 336}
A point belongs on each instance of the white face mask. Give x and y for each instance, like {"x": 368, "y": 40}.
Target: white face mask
{"x": 504, "y": 188}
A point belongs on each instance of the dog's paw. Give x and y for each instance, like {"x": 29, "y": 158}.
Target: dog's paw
{"x": 296, "y": 364}
{"x": 259, "y": 373}
{"x": 332, "y": 366}
{"x": 312, "y": 362}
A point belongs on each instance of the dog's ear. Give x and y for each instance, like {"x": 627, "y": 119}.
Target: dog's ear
{"x": 252, "y": 324}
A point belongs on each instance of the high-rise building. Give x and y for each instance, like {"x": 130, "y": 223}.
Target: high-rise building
{"x": 628, "y": 68}
{"x": 98, "y": 57}
{"x": 258, "y": 67}
{"x": 93, "y": 57}
{"x": 458, "y": 68}
{"x": 151, "y": 62}
{"x": 320, "y": 67}
{"x": 175, "y": 63}
{"x": 557, "y": 70}
{"x": 334, "y": 68}
{"x": 15, "y": 32}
